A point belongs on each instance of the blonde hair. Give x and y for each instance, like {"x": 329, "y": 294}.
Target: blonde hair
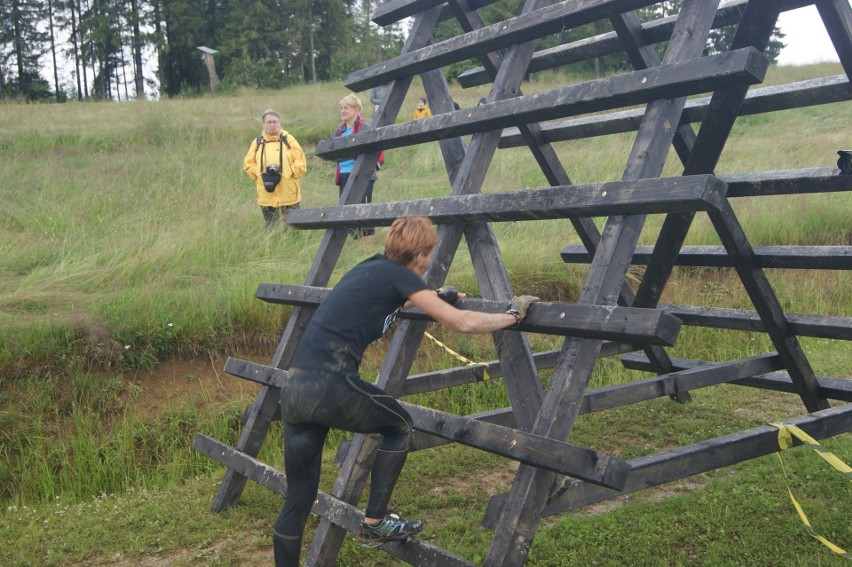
{"x": 352, "y": 100}
{"x": 409, "y": 237}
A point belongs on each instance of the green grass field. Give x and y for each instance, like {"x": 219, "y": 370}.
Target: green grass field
{"x": 130, "y": 251}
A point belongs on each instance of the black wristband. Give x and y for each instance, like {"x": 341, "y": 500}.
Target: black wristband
{"x": 448, "y": 293}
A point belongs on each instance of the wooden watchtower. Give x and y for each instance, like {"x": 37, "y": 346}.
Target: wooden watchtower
{"x": 610, "y": 318}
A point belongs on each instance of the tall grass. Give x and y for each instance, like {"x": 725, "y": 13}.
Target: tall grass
{"x": 129, "y": 234}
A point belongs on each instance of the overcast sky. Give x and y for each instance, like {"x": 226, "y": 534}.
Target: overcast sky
{"x": 806, "y": 38}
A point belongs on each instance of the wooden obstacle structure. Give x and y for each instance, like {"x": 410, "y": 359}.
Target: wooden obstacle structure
{"x": 610, "y": 318}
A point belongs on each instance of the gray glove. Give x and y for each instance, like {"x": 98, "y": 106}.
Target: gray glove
{"x": 519, "y": 306}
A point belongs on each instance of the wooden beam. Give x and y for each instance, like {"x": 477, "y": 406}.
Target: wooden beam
{"x": 682, "y": 462}
{"x": 652, "y": 32}
{"x": 450, "y": 377}
{"x": 822, "y": 326}
{"x": 641, "y": 196}
{"x": 787, "y": 182}
{"x": 587, "y": 464}
{"x": 825, "y": 90}
{"x": 768, "y": 306}
{"x": 782, "y": 257}
{"x": 832, "y": 388}
{"x": 680, "y": 79}
{"x": 529, "y": 26}
{"x": 342, "y": 514}
{"x": 622, "y": 324}
{"x": 392, "y": 11}
{"x": 534, "y": 450}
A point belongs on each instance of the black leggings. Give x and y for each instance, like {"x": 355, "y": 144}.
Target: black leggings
{"x": 311, "y": 404}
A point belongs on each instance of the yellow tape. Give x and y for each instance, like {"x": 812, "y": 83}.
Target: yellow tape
{"x": 466, "y": 361}
{"x": 785, "y": 441}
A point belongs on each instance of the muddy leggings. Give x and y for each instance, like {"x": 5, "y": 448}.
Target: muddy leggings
{"x": 311, "y": 404}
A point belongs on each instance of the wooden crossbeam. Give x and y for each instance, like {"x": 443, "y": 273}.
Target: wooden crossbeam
{"x": 342, "y": 514}
{"x": 624, "y": 324}
{"x": 787, "y": 257}
{"x": 822, "y": 326}
{"x": 744, "y": 66}
{"x": 832, "y": 388}
{"x": 529, "y": 26}
{"x": 655, "y": 31}
{"x": 643, "y": 196}
{"x": 592, "y": 466}
{"x": 787, "y": 182}
{"x": 392, "y": 11}
{"x": 825, "y": 90}
{"x": 689, "y": 460}
{"x": 561, "y": 457}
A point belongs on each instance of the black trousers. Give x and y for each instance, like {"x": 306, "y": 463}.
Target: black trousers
{"x": 277, "y": 215}
{"x": 368, "y": 198}
{"x": 311, "y": 404}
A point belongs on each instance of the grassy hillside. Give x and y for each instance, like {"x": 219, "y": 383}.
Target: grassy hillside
{"x": 130, "y": 251}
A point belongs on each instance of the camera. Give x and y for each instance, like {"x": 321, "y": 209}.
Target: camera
{"x": 274, "y": 168}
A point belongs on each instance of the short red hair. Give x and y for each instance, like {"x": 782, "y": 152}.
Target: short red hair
{"x": 408, "y": 237}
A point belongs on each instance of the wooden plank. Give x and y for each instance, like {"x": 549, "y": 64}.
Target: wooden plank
{"x": 524, "y": 447}
{"x": 825, "y": 90}
{"x": 782, "y": 257}
{"x": 527, "y": 500}
{"x": 768, "y": 307}
{"x": 837, "y": 17}
{"x": 449, "y": 377}
{"x": 787, "y": 182}
{"x": 623, "y": 324}
{"x": 682, "y": 462}
{"x": 832, "y": 388}
{"x": 393, "y": 11}
{"x": 587, "y": 464}
{"x": 822, "y": 326}
{"x": 745, "y": 66}
{"x": 643, "y": 196}
{"x": 342, "y": 514}
{"x": 689, "y": 379}
{"x": 655, "y": 31}
{"x": 530, "y": 25}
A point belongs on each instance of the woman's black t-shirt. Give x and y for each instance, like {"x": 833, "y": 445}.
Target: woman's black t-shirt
{"x": 357, "y": 311}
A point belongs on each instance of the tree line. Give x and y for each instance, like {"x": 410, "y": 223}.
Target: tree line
{"x": 121, "y": 50}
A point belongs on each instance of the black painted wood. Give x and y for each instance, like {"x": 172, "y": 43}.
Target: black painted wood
{"x": 624, "y": 324}
{"x": 529, "y": 26}
{"x": 786, "y": 257}
{"x": 825, "y": 90}
{"x": 655, "y": 31}
{"x": 520, "y": 516}
{"x": 342, "y": 514}
{"x": 833, "y": 388}
{"x": 822, "y": 326}
{"x": 644, "y": 196}
{"x": 681, "y": 462}
{"x": 675, "y": 79}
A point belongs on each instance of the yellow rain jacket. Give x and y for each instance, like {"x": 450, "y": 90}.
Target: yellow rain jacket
{"x": 282, "y": 150}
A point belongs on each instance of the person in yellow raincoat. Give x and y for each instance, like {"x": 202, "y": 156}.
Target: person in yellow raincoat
{"x": 422, "y": 110}
{"x": 276, "y": 162}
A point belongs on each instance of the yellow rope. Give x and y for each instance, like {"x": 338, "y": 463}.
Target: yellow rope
{"x": 785, "y": 441}
{"x": 466, "y": 361}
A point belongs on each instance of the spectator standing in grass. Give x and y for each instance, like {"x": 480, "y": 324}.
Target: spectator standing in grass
{"x": 352, "y": 123}
{"x": 276, "y": 162}
{"x": 422, "y": 110}
{"x": 323, "y": 389}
